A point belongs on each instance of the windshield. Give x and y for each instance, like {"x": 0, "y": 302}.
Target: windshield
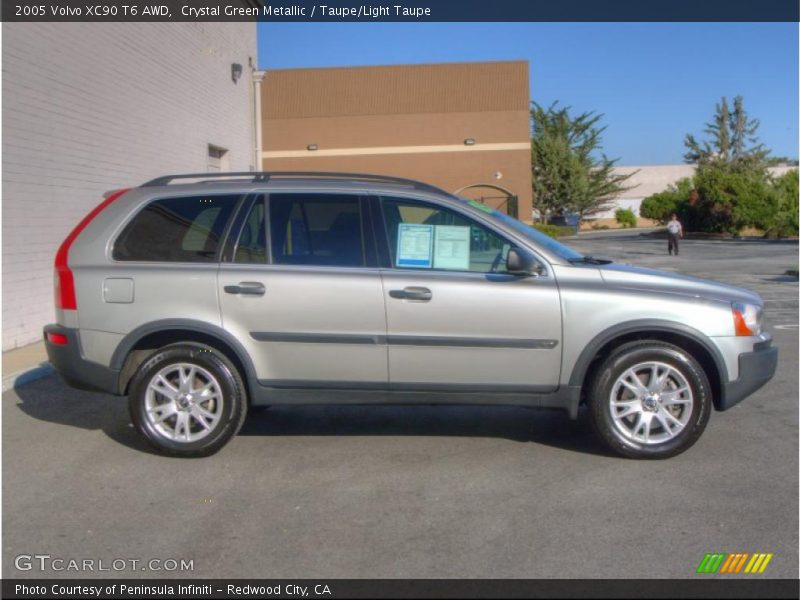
{"x": 529, "y": 232}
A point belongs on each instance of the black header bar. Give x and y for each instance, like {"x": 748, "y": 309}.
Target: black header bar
{"x": 416, "y": 11}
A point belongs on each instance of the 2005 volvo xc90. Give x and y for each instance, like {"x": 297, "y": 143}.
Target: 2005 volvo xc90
{"x": 199, "y": 297}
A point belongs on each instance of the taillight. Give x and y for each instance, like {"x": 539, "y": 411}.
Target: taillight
{"x": 64, "y": 282}
{"x": 57, "y": 338}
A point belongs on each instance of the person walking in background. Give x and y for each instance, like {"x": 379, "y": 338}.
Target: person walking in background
{"x": 674, "y": 232}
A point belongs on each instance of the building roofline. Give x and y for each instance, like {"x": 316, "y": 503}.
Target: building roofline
{"x": 399, "y": 65}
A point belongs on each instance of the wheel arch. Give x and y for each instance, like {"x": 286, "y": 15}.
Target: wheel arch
{"x": 679, "y": 334}
{"x": 137, "y": 345}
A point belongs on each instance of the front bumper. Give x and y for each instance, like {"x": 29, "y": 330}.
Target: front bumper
{"x": 76, "y": 371}
{"x": 756, "y": 368}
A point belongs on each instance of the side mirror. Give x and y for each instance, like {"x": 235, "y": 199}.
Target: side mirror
{"x": 521, "y": 262}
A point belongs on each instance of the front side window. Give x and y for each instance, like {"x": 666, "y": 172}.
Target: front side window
{"x": 425, "y": 236}
{"x": 316, "y": 229}
{"x": 181, "y": 229}
{"x": 527, "y": 231}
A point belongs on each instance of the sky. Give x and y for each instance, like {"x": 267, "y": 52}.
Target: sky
{"x": 653, "y": 82}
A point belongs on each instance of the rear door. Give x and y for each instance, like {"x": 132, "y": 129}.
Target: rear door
{"x": 302, "y": 292}
{"x": 456, "y": 321}
{"x": 163, "y": 265}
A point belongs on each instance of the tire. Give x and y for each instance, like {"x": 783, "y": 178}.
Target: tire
{"x": 640, "y": 416}
{"x": 187, "y": 400}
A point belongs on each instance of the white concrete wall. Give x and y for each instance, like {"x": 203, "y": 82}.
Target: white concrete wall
{"x": 89, "y": 107}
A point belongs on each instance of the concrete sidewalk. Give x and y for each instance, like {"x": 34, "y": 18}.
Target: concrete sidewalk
{"x": 25, "y": 364}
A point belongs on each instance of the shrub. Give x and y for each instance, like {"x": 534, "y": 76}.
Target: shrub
{"x": 660, "y": 206}
{"x": 728, "y": 200}
{"x": 554, "y": 231}
{"x": 784, "y": 221}
{"x": 625, "y": 217}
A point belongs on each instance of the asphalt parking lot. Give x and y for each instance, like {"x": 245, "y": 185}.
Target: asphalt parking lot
{"x": 329, "y": 492}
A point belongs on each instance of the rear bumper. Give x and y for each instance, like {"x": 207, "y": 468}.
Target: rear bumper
{"x": 756, "y": 368}
{"x": 76, "y": 371}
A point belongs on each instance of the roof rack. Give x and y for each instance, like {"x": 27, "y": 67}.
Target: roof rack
{"x": 264, "y": 176}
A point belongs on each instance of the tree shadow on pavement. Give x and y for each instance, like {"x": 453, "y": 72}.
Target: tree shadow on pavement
{"x": 48, "y": 399}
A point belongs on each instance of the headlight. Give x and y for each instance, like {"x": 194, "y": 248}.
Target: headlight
{"x": 746, "y": 318}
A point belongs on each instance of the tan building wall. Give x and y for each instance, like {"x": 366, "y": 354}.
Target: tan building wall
{"x": 409, "y": 121}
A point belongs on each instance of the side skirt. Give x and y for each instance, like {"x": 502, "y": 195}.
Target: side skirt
{"x": 565, "y": 398}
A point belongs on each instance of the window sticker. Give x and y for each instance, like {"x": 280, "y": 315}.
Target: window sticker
{"x": 414, "y": 245}
{"x": 451, "y": 247}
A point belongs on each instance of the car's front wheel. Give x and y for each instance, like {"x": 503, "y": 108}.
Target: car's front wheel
{"x": 187, "y": 400}
{"x": 650, "y": 399}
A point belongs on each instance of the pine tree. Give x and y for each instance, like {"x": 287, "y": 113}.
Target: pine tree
{"x": 733, "y": 142}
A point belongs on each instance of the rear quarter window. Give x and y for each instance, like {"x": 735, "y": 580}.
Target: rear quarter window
{"x": 179, "y": 229}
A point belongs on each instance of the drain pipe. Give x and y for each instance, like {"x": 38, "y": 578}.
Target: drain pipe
{"x": 258, "y": 76}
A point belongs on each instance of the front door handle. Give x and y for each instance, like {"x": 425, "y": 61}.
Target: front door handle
{"x": 412, "y": 293}
{"x": 252, "y": 288}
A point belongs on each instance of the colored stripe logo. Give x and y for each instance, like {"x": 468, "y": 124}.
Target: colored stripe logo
{"x": 734, "y": 563}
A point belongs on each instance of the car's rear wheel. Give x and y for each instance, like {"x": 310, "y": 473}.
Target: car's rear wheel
{"x": 650, "y": 399}
{"x": 187, "y": 400}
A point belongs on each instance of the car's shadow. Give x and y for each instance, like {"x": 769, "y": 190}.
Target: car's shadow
{"x": 48, "y": 399}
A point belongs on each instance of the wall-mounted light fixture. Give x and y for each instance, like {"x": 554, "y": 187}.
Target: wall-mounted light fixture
{"x": 311, "y": 147}
{"x": 469, "y": 142}
{"x": 236, "y": 72}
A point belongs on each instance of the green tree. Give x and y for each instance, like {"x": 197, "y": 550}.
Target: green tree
{"x": 733, "y": 141}
{"x": 570, "y": 174}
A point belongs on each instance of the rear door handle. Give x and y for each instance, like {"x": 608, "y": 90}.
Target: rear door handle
{"x": 412, "y": 293}
{"x": 252, "y": 288}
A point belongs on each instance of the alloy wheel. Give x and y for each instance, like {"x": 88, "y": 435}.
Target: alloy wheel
{"x": 651, "y": 403}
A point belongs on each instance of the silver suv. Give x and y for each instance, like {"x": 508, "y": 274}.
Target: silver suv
{"x": 201, "y": 296}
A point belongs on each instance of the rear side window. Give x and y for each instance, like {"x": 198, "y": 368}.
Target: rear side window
{"x": 185, "y": 229}
{"x": 322, "y": 229}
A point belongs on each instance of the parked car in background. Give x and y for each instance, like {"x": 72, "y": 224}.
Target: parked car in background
{"x": 566, "y": 220}
{"x": 201, "y": 296}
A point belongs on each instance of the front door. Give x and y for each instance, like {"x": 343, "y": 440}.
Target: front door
{"x": 302, "y": 292}
{"x": 456, "y": 321}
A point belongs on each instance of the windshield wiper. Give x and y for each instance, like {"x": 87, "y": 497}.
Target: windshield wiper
{"x": 591, "y": 260}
